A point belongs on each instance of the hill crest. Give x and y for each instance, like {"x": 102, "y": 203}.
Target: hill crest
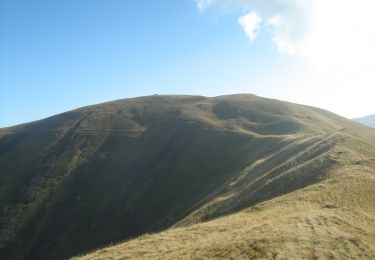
{"x": 74, "y": 182}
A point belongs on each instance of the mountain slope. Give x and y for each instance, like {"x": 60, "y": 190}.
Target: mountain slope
{"x": 106, "y": 173}
{"x": 332, "y": 219}
{"x": 367, "y": 120}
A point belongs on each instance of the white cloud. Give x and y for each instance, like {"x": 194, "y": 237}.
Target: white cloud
{"x": 290, "y": 19}
{"x": 250, "y": 23}
{"x": 337, "y": 37}
{"x": 334, "y": 30}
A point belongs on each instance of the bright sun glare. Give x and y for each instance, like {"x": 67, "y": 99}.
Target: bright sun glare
{"x": 335, "y": 37}
{"x": 341, "y": 49}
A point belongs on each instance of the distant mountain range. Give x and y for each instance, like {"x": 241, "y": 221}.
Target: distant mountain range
{"x": 107, "y": 173}
{"x": 367, "y": 120}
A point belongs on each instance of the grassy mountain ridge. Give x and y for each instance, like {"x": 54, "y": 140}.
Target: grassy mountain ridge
{"x": 331, "y": 219}
{"x": 106, "y": 173}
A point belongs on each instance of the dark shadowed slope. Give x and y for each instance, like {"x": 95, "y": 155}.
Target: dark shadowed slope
{"x": 367, "y": 120}
{"x": 101, "y": 174}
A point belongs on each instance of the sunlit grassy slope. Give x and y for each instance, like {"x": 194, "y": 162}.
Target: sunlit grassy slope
{"x": 102, "y": 174}
{"x": 333, "y": 219}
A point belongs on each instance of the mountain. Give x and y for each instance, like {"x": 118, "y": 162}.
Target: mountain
{"x": 367, "y": 120}
{"x": 102, "y": 174}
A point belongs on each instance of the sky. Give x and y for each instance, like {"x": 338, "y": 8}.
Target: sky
{"x": 63, "y": 54}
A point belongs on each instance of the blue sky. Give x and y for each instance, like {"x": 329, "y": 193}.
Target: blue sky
{"x": 63, "y": 54}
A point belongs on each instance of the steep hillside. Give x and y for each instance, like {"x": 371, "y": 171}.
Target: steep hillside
{"x": 333, "y": 219}
{"x": 367, "y": 120}
{"x": 106, "y": 173}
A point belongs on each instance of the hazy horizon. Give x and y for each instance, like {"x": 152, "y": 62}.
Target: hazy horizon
{"x": 63, "y": 55}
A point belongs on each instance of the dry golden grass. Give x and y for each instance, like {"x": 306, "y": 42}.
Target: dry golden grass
{"x": 332, "y": 219}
